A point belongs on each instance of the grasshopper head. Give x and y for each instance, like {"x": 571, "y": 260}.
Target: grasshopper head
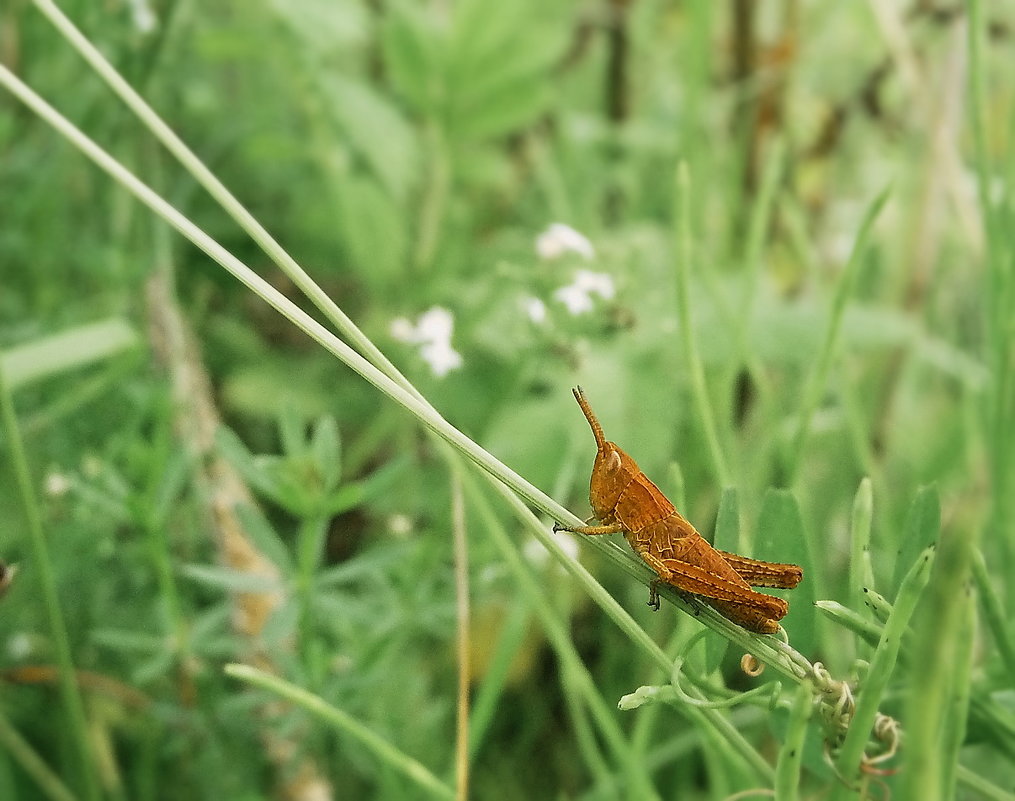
{"x": 612, "y": 472}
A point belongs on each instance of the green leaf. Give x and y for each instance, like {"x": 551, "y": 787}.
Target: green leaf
{"x": 326, "y": 449}
{"x": 292, "y": 433}
{"x": 265, "y": 538}
{"x": 69, "y": 350}
{"x": 413, "y": 52}
{"x": 922, "y": 527}
{"x": 781, "y": 538}
{"x": 373, "y": 232}
{"x": 727, "y": 522}
{"x": 253, "y": 470}
{"x": 726, "y": 538}
{"x": 324, "y": 26}
{"x": 227, "y": 579}
{"x": 376, "y": 131}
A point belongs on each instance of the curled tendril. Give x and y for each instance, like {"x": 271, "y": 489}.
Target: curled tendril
{"x": 751, "y": 665}
{"x": 772, "y": 690}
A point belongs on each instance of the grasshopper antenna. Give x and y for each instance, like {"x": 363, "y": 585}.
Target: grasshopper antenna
{"x": 597, "y": 430}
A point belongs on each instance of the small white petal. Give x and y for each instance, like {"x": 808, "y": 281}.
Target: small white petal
{"x": 548, "y": 247}
{"x": 435, "y": 325}
{"x": 535, "y": 309}
{"x": 19, "y": 646}
{"x": 441, "y": 357}
{"x": 402, "y": 330}
{"x": 400, "y": 525}
{"x": 575, "y": 298}
{"x": 599, "y": 283}
{"x": 143, "y": 17}
{"x": 56, "y": 485}
{"x": 559, "y": 239}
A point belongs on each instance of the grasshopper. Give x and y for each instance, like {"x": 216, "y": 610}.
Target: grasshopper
{"x": 625, "y": 501}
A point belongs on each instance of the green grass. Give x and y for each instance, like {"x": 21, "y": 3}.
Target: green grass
{"x": 246, "y": 571}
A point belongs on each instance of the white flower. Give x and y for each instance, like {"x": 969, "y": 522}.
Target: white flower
{"x": 400, "y": 525}
{"x": 433, "y": 335}
{"x": 402, "y": 330}
{"x": 56, "y": 484}
{"x": 19, "y": 646}
{"x": 577, "y": 296}
{"x": 534, "y": 309}
{"x": 559, "y": 239}
{"x": 435, "y": 325}
{"x": 142, "y": 15}
{"x": 441, "y": 357}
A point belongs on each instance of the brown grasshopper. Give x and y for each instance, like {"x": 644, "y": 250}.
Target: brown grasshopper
{"x": 624, "y": 500}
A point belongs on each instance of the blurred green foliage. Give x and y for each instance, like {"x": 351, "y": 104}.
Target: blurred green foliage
{"x": 410, "y": 154}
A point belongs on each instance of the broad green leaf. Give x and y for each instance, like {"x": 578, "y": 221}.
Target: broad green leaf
{"x": 373, "y": 232}
{"x": 376, "y": 130}
{"x": 414, "y": 48}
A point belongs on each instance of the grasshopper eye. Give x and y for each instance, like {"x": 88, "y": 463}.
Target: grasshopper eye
{"x": 613, "y": 461}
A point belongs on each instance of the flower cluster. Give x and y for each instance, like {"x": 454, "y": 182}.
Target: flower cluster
{"x": 432, "y": 332}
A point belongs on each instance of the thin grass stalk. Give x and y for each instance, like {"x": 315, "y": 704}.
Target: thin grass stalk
{"x": 491, "y": 688}
{"x": 787, "y": 770}
{"x": 859, "y": 625}
{"x": 384, "y": 751}
{"x": 940, "y": 676}
{"x": 461, "y": 559}
{"x": 818, "y": 379}
{"x": 957, "y": 714}
{"x": 999, "y": 301}
{"x": 761, "y": 217}
{"x": 882, "y": 666}
{"x": 983, "y": 786}
{"x": 70, "y": 693}
{"x": 688, "y": 342}
{"x": 580, "y": 679}
{"x": 589, "y": 749}
{"x": 229, "y": 203}
{"x": 861, "y": 573}
{"x": 993, "y": 611}
{"x": 28, "y": 760}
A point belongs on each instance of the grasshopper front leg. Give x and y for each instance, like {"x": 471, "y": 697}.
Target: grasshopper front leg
{"x": 609, "y": 528}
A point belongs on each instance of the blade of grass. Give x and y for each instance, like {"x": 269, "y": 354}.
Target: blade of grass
{"x": 941, "y": 652}
{"x": 556, "y": 631}
{"x": 692, "y": 358}
{"x": 861, "y": 573}
{"x": 787, "y": 769}
{"x": 999, "y": 301}
{"x": 957, "y": 713}
{"x": 491, "y": 688}
{"x": 345, "y": 723}
{"x": 461, "y": 553}
{"x": 993, "y": 611}
{"x": 28, "y": 759}
{"x": 147, "y": 115}
{"x": 42, "y": 564}
{"x": 882, "y": 666}
{"x": 851, "y": 621}
{"x": 818, "y": 378}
